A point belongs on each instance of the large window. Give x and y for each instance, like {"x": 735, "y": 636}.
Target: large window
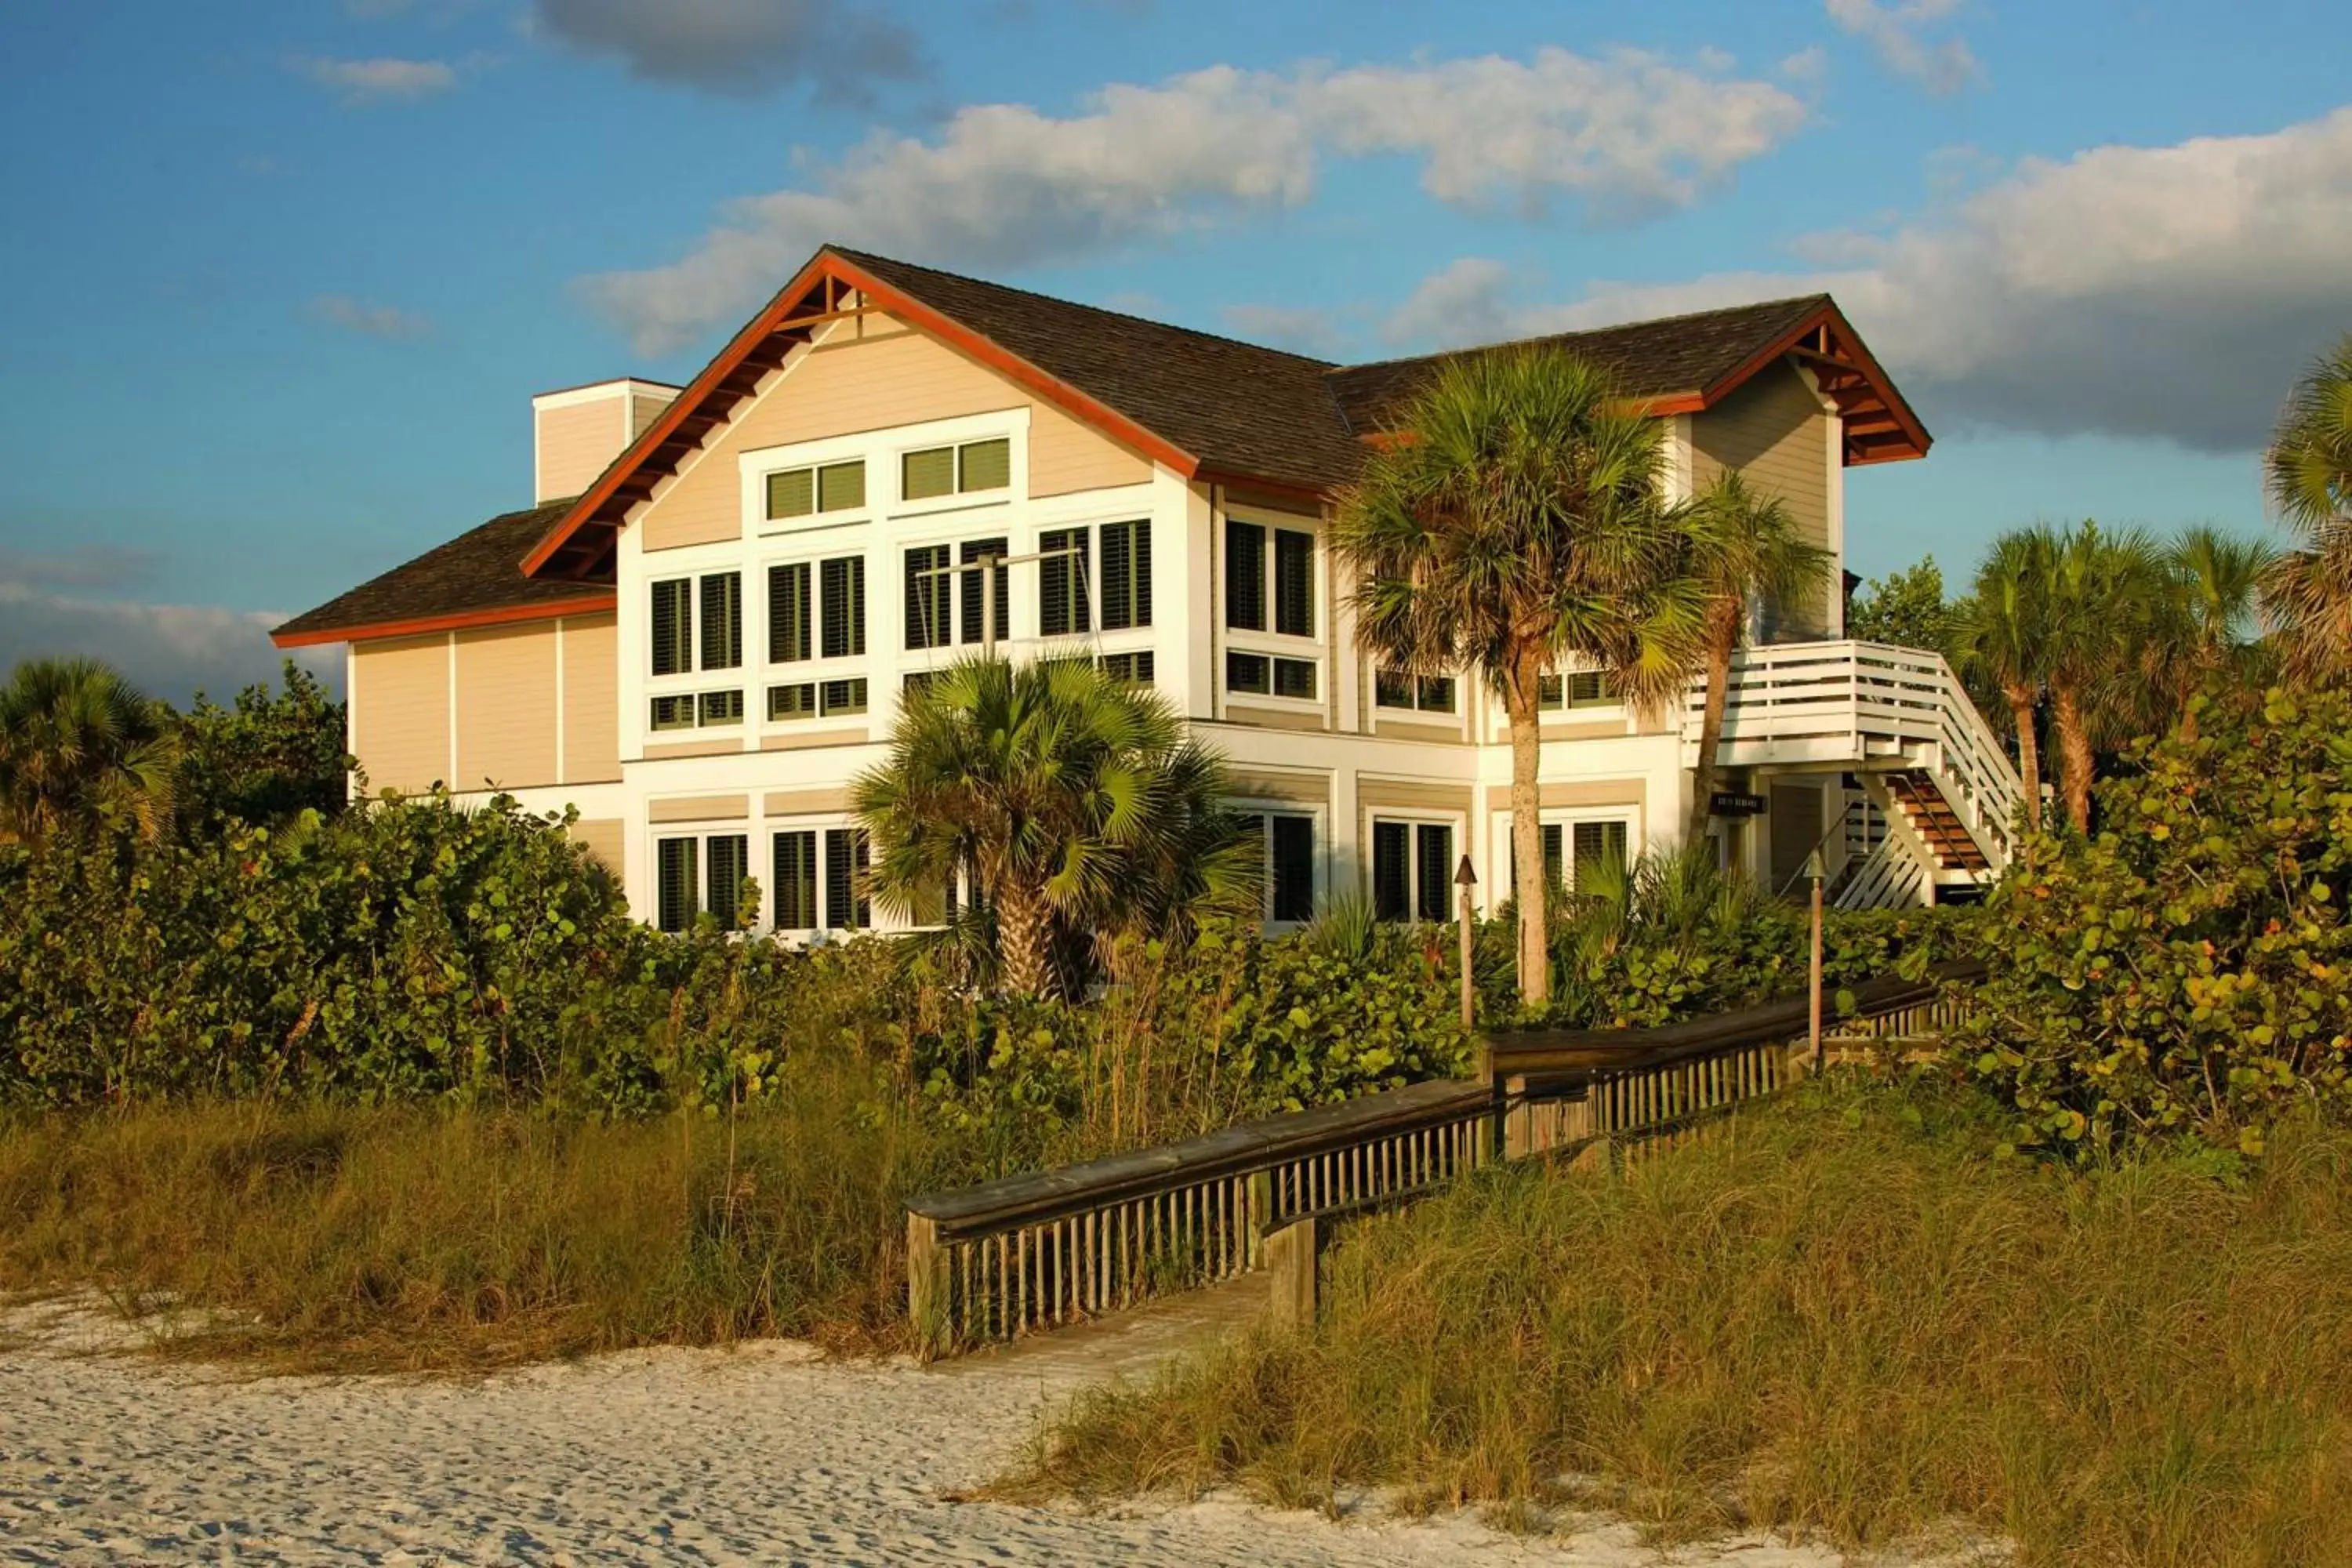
{"x": 1412, "y": 871}
{"x": 719, "y": 598}
{"x": 700, "y": 874}
{"x": 816, "y": 609}
{"x": 806, "y": 492}
{"x": 955, "y": 470}
{"x": 1255, "y": 556}
{"x": 845, "y": 904}
{"x": 1064, "y": 580}
{"x": 1126, "y": 575}
{"x": 722, "y": 620}
{"x": 1288, "y": 840}
{"x": 1414, "y": 693}
{"x": 820, "y": 875}
{"x": 1571, "y": 848}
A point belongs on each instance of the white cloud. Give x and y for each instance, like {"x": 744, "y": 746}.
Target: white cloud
{"x": 81, "y": 566}
{"x": 1302, "y": 329}
{"x": 1893, "y": 28}
{"x": 2171, "y": 292}
{"x": 373, "y": 81}
{"x": 741, "y": 47}
{"x": 171, "y": 651}
{"x": 370, "y": 320}
{"x": 1466, "y": 301}
{"x": 1002, "y": 185}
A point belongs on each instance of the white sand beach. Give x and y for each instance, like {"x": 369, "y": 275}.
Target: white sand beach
{"x": 765, "y": 1454}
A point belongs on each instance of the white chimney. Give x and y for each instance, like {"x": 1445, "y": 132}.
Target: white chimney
{"x": 577, "y": 431}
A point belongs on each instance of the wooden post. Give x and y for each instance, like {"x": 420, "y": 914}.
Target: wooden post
{"x": 1260, "y": 1219}
{"x": 1464, "y": 880}
{"x": 1290, "y": 1264}
{"x": 927, "y": 1288}
{"x": 1814, "y": 870}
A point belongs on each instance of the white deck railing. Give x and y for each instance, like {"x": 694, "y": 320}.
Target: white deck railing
{"x": 1860, "y": 704}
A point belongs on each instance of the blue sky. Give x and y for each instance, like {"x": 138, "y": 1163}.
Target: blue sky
{"x": 276, "y": 285}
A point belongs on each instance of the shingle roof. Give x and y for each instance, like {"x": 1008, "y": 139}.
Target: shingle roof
{"x": 1651, "y": 359}
{"x": 479, "y": 570}
{"x": 1241, "y": 408}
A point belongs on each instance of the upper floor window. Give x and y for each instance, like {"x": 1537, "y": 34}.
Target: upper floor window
{"x": 955, "y": 470}
{"x": 816, "y": 607}
{"x": 1257, "y": 556}
{"x": 674, "y": 643}
{"x": 826, "y": 487}
{"x": 1577, "y": 688}
{"x": 1420, "y": 693}
{"x": 1070, "y": 577}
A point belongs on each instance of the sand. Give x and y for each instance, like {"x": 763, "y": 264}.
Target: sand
{"x": 765, "y": 1454}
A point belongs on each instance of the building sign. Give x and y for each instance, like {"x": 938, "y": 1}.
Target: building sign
{"x": 1730, "y": 803}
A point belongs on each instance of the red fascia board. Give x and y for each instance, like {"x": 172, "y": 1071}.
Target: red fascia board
{"x": 1108, "y": 420}
{"x": 456, "y": 621}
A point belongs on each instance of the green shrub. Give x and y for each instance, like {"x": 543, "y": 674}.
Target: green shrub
{"x": 2185, "y": 971}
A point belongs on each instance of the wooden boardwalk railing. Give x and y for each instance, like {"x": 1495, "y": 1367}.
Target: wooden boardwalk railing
{"x": 1022, "y": 1254}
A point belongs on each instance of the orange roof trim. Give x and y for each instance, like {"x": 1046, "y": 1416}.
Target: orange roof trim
{"x": 1880, "y": 426}
{"x": 819, "y": 293}
{"x": 456, "y": 621}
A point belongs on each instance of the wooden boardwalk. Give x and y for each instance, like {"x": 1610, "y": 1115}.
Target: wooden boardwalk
{"x": 1131, "y": 1345}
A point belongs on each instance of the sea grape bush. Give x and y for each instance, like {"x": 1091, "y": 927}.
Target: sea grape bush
{"x": 2185, "y": 971}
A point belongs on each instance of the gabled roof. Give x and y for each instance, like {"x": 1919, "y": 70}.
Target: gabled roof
{"x": 1206, "y": 406}
{"x": 472, "y": 581}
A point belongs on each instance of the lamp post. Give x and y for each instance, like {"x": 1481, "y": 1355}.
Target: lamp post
{"x": 1814, "y": 872}
{"x": 1464, "y": 880}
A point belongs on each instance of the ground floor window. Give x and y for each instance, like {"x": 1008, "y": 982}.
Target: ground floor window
{"x": 1569, "y": 847}
{"x": 821, "y": 879}
{"x": 700, "y": 873}
{"x": 1287, "y": 840}
{"x": 1412, "y": 871}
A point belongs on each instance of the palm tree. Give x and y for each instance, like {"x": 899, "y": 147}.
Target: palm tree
{"x": 79, "y": 744}
{"x": 1076, "y": 806}
{"x": 2113, "y": 622}
{"x": 2307, "y": 473}
{"x": 1742, "y": 548}
{"x": 1513, "y": 518}
{"x": 2004, "y": 642}
{"x": 2218, "y": 577}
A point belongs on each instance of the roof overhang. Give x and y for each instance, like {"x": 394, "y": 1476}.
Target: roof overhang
{"x": 1879, "y": 426}
{"x": 829, "y": 288}
{"x": 455, "y": 621}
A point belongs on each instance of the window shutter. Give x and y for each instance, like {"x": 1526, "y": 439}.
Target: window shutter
{"x": 791, "y": 494}
{"x": 844, "y": 696}
{"x": 922, "y": 475}
{"x": 796, "y": 701}
{"x": 1436, "y": 694}
{"x": 674, "y": 894}
{"x": 1126, "y": 575}
{"x": 973, "y": 589}
{"x": 841, "y": 487}
{"x": 722, "y": 620}
{"x": 1598, "y": 841}
{"x": 1062, "y": 582}
{"x": 1293, "y": 868}
{"x": 1245, "y": 672}
{"x": 1294, "y": 678}
{"x": 1293, "y": 584}
{"x": 927, "y": 597}
{"x": 673, "y": 627}
{"x": 1555, "y": 866}
{"x": 1434, "y": 841}
{"x": 727, "y": 861}
{"x": 845, "y": 606}
{"x": 1391, "y": 870}
{"x": 1245, "y": 576}
{"x": 787, "y": 613}
{"x": 796, "y": 881}
{"x": 987, "y": 466}
{"x": 845, "y": 864}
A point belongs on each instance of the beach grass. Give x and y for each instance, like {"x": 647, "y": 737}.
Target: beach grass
{"x": 433, "y": 1237}
{"x": 1845, "y": 1317}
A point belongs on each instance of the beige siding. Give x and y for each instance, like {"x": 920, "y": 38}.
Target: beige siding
{"x": 645, "y": 407}
{"x": 805, "y": 802}
{"x": 718, "y": 748}
{"x": 1398, "y": 795}
{"x": 1568, "y": 793}
{"x": 1274, "y": 718}
{"x": 400, "y": 711}
{"x": 506, "y": 706}
{"x": 592, "y": 718}
{"x": 603, "y": 839}
{"x": 575, "y": 440}
{"x": 1308, "y": 788}
{"x": 1448, "y": 732}
{"x": 891, "y": 377}
{"x": 1774, "y": 431}
{"x": 700, "y": 808}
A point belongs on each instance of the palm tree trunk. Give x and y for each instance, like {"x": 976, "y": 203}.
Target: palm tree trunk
{"x": 1519, "y": 694}
{"x": 1024, "y": 938}
{"x": 2073, "y": 755}
{"x": 1722, "y": 635}
{"x": 2028, "y": 753}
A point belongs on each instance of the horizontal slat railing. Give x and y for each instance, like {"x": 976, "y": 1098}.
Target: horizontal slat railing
{"x": 1023, "y": 1254}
